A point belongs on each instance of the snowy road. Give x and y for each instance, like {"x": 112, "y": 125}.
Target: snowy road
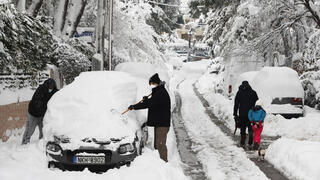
{"x": 192, "y": 167}
{"x": 219, "y": 156}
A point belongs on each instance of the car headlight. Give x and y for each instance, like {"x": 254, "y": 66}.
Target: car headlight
{"x": 124, "y": 148}
{"x": 53, "y": 148}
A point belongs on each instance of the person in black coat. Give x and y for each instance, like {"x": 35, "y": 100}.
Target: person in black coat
{"x": 159, "y": 113}
{"x": 37, "y": 109}
{"x": 244, "y": 101}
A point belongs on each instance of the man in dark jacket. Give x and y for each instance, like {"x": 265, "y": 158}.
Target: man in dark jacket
{"x": 244, "y": 101}
{"x": 37, "y": 108}
{"x": 159, "y": 113}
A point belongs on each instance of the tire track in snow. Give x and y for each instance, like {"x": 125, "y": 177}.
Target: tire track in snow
{"x": 191, "y": 165}
{"x": 221, "y": 159}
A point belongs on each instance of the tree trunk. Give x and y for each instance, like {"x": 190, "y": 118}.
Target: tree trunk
{"x": 99, "y": 25}
{"x": 314, "y": 14}
{"x": 287, "y": 49}
{"x": 35, "y": 7}
{"x": 60, "y": 17}
{"x": 75, "y": 18}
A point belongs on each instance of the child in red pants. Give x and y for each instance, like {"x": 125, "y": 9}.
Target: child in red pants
{"x": 256, "y": 116}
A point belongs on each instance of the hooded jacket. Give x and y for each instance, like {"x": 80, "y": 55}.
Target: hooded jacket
{"x": 257, "y": 114}
{"x": 159, "y": 107}
{"x": 245, "y": 100}
{"x": 38, "y": 104}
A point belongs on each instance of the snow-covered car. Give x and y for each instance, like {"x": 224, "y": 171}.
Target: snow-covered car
{"x": 281, "y": 91}
{"x": 247, "y": 76}
{"x": 84, "y": 126}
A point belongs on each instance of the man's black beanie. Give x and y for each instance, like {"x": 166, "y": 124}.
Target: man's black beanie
{"x": 154, "y": 79}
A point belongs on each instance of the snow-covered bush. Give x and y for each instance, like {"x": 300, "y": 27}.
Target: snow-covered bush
{"x": 25, "y": 42}
{"x": 82, "y": 47}
{"x": 311, "y": 85}
{"x": 70, "y": 61}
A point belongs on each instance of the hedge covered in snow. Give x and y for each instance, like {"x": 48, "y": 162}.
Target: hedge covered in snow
{"x": 27, "y": 45}
{"x": 25, "y": 42}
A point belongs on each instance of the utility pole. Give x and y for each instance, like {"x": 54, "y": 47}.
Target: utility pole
{"x": 110, "y": 32}
{"x": 103, "y": 34}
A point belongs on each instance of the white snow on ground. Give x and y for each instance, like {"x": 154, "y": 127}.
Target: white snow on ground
{"x": 297, "y": 159}
{"x": 221, "y": 158}
{"x": 301, "y": 136}
{"x": 29, "y": 163}
{"x": 196, "y": 67}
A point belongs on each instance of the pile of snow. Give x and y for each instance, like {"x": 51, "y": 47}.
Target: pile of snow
{"x": 196, "y": 67}
{"x": 303, "y": 128}
{"x": 297, "y": 159}
{"x": 91, "y": 105}
{"x": 211, "y": 80}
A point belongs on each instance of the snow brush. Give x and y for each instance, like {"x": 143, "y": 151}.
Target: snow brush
{"x": 136, "y": 103}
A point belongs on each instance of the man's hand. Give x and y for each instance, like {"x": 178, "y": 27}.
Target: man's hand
{"x": 131, "y": 107}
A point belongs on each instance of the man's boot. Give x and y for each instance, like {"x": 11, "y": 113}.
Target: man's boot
{"x": 242, "y": 141}
{"x": 250, "y": 142}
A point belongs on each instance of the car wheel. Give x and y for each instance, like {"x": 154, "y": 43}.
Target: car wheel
{"x": 51, "y": 165}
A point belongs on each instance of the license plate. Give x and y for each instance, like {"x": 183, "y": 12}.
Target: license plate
{"x": 89, "y": 160}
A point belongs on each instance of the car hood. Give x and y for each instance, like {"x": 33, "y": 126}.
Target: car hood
{"x": 91, "y": 143}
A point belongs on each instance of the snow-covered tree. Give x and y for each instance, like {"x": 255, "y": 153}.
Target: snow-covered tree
{"x": 70, "y": 61}
{"x": 26, "y": 41}
{"x": 134, "y": 39}
{"x": 164, "y": 15}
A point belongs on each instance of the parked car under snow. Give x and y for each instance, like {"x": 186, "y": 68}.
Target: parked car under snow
{"x": 84, "y": 126}
{"x": 279, "y": 88}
